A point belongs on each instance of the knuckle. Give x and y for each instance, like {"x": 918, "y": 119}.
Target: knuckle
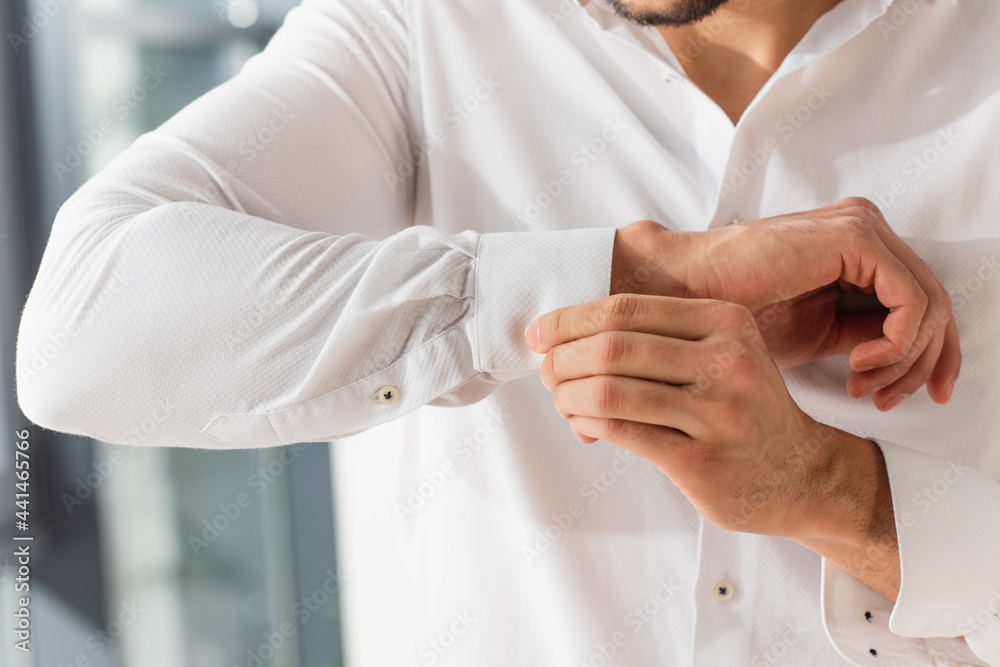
{"x": 556, "y": 322}
{"x": 744, "y": 363}
{"x": 611, "y": 349}
{"x": 558, "y": 400}
{"x": 606, "y": 396}
{"x": 940, "y": 306}
{"x": 646, "y": 226}
{"x": 548, "y": 369}
{"x": 733, "y": 317}
{"x": 917, "y": 376}
{"x": 617, "y": 311}
{"x": 859, "y": 202}
{"x": 856, "y": 222}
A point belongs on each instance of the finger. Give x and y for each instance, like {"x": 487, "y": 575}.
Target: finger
{"x": 665, "y": 316}
{"x": 931, "y": 335}
{"x": 862, "y": 385}
{"x": 638, "y": 355}
{"x": 614, "y": 397}
{"x": 900, "y": 293}
{"x": 916, "y": 377}
{"x": 653, "y": 443}
{"x": 942, "y": 382}
{"x": 937, "y": 305}
{"x": 850, "y": 330}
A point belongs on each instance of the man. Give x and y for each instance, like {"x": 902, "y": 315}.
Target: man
{"x": 351, "y": 237}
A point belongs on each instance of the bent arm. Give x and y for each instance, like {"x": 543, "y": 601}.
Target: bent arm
{"x": 248, "y": 275}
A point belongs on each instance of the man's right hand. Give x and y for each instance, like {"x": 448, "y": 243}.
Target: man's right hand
{"x": 790, "y": 269}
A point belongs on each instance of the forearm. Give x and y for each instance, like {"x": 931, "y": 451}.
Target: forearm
{"x": 851, "y": 521}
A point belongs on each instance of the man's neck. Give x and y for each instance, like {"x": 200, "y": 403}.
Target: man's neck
{"x": 732, "y": 54}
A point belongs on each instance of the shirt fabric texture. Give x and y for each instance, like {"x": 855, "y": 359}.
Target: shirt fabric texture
{"x": 393, "y": 190}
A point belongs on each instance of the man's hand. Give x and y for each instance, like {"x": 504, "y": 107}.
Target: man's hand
{"x": 689, "y": 385}
{"x": 790, "y": 271}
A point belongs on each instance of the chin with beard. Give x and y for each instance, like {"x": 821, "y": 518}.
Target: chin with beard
{"x": 665, "y": 12}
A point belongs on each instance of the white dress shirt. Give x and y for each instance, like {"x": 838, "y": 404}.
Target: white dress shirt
{"x": 350, "y": 237}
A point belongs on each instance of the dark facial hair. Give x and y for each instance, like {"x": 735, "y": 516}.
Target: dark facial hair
{"x": 684, "y": 12}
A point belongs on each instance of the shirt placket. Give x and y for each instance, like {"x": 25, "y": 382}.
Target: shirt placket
{"x": 643, "y": 49}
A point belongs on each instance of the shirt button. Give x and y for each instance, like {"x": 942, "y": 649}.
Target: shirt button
{"x": 388, "y": 394}
{"x": 669, "y": 77}
{"x": 723, "y": 591}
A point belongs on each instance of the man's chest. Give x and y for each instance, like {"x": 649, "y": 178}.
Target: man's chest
{"x": 548, "y": 120}
{"x": 594, "y": 130}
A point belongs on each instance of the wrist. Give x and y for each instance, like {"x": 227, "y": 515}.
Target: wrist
{"x": 849, "y": 497}
{"x": 650, "y": 259}
{"x": 852, "y": 522}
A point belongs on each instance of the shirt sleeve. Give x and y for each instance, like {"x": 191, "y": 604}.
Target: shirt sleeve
{"x": 947, "y": 518}
{"x": 249, "y": 274}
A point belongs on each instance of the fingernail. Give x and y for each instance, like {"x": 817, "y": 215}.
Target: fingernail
{"x": 531, "y": 335}
{"x": 871, "y": 390}
{"x": 948, "y": 390}
{"x": 894, "y": 401}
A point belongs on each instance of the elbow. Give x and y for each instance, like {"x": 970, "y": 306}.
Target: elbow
{"x": 48, "y": 393}
{"x": 62, "y": 350}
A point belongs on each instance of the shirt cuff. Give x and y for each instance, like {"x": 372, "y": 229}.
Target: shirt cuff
{"x": 523, "y": 275}
{"x": 948, "y": 529}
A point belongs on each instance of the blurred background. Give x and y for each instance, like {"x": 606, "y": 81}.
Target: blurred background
{"x": 143, "y": 556}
